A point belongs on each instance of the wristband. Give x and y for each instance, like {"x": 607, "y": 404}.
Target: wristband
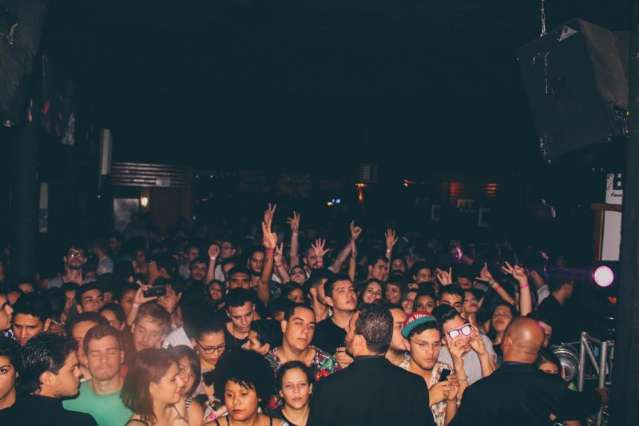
{"x": 270, "y": 251}
{"x": 522, "y": 287}
{"x": 136, "y": 305}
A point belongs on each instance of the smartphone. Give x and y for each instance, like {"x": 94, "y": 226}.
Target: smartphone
{"x": 155, "y": 291}
{"x": 444, "y": 376}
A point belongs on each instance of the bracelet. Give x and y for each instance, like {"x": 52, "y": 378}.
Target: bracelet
{"x": 269, "y": 251}
{"x": 136, "y": 305}
{"x": 523, "y": 287}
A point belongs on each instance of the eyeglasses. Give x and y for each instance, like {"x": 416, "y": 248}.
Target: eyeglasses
{"x": 464, "y": 330}
{"x": 211, "y": 349}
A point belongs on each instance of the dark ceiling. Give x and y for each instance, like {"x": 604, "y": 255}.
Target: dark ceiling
{"x": 413, "y": 84}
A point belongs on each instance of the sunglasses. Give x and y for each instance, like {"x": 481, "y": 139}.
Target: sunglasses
{"x": 464, "y": 330}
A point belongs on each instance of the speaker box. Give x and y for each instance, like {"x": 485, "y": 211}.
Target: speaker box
{"x": 576, "y": 79}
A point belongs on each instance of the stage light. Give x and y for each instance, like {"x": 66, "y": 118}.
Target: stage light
{"x": 569, "y": 361}
{"x": 603, "y": 276}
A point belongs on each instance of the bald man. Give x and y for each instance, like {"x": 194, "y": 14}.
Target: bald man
{"x": 519, "y": 394}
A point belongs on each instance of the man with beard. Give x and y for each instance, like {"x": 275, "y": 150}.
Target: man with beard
{"x": 396, "y": 353}
{"x": 100, "y": 396}
{"x": 74, "y": 260}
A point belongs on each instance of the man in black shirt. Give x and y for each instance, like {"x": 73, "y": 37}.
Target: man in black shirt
{"x": 553, "y": 310}
{"x": 372, "y": 391}
{"x": 341, "y": 297}
{"x": 240, "y": 308}
{"x": 518, "y": 393}
{"x": 49, "y": 371}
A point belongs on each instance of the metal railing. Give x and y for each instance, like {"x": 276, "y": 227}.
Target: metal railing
{"x": 590, "y": 347}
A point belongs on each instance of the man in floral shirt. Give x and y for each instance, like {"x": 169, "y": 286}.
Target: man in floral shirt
{"x": 424, "y": 339}
{"x": 298, "y": 329}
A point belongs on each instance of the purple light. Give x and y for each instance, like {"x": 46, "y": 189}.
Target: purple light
{"x": 603, "y": 276}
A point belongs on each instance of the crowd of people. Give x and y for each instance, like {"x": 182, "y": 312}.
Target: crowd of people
{"x": 286, "y": 330}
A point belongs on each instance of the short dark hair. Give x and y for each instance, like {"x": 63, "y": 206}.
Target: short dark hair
{"x": 281, "y": 304}
{"x": 85, "y": 288}
{"x": 85, "y": 316}
{"x": 291, "y": 310}
{"x": 156, "y": 312}
{"x": 445, "y": 313}
{"x": 246, "y": 368}
{"x": 183, "y": 351}
{"x": 239, "y": 270}
{"x": 116, "y": 309}
{"x": 328, "y": 286}
{"x": 98, "y": 332}
{"x": 149, "y": 365}
{"x": 399, "y": 281}
{"x": 126, "y": 288}
{"x": 10, "y": 349}
{"x": 453, "y": 289}
{"x": 237, "y": 297}
{"x": 268, "y": 331}
{"x": 44, "y": 352}
{"x": 292, "y": 365}
{"x": 419, "y": 266}
{"x": 317, "y": 276}
{"x": 167, "y": 262}
{"x": 198, "y": 260}
{"x": 56, "y": 300}
{"x": 32, "y": 304}
{"x": 207, "y": 323}
{"x": 375, "y": 324}
{"x": 372, "y": 260}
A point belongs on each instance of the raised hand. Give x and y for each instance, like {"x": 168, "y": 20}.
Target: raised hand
{"x": 444, "y": 277}
{"x": 318, "y": 247}
{"x": 140, "y": 298}
{"x": 456, "y": 348}
{"x": 214, "y": 251}
{"x": 477, "y": 343}
{"x": 355, "y": 231}
{"x": 278, "y": 257}
{"x": 391, "y": 239}
{"x": 516, "y": 271}
{"x": 269, "y": 238}
{"x": 269, "y": 213}
{"x": 294, "y": 222}
{"x": 485, "y": 274}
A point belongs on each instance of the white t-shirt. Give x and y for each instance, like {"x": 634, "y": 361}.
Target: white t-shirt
{"x": 176, "y": 338}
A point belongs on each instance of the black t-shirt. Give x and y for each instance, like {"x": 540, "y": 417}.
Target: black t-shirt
{"x": 557, "y": 316}
{"x": 328, "y": 336}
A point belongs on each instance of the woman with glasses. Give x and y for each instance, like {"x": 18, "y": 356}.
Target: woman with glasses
{"x": 244, "y": 381}
{"x": 152, "y": 390}
{"x": 209, "y": 340}
{"x": 190, "y": 373}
